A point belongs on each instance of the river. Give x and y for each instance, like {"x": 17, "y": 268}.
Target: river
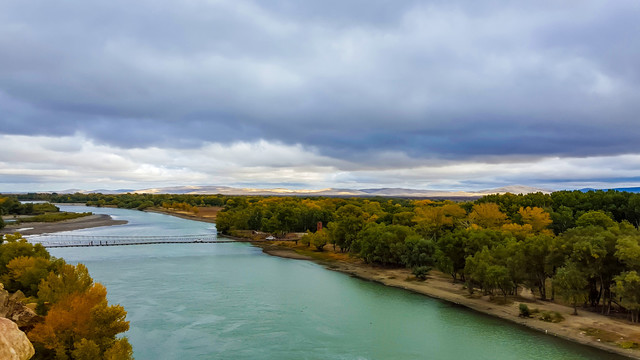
{"x": 231, "y": 301}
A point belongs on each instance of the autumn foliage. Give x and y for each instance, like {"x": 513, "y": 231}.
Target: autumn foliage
{"x": 82, "y": 326}
{"x": 79, "y": 323}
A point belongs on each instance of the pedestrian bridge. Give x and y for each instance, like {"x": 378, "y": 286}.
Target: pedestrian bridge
{"x": 61, "y": 240}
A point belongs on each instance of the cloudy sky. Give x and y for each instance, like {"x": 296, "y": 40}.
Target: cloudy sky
{"x": 314, "y": 94}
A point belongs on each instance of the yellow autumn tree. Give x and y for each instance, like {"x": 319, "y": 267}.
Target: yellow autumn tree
{"x": 487, "y": 216}
{"x": 82, "y": 326}
{"x": 520, "y": 232}
{"x": 69, "y": 280}
{"x": 537, "y": 218}
{"x": 25, "y": 273}
{"x": 430, "y": 220}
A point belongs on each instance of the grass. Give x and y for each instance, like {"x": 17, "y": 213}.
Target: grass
{"x": 625, "y": 342}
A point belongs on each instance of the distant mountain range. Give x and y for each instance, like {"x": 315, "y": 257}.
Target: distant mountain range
{"x": 386, "y": 192}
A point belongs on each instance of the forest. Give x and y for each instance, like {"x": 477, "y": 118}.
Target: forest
{"x": 583, "y": 247}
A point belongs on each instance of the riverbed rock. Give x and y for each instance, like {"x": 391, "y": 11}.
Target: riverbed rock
{"x": 14, "y": 344}
{"x": 12, "y": 308}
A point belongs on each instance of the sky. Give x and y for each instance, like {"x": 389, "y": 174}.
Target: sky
{"x": 447, "y": 95}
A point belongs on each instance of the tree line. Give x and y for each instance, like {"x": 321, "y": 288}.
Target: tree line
{"x": 584, "y": 247}
{"x": 126, "y": 201}
{"x": 10, "y": 205}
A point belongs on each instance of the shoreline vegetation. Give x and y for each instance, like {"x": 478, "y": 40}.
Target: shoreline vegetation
{"x": 588, "y": 328}
{"x": 533, "y": 259}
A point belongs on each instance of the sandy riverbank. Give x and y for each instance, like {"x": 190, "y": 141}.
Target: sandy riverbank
{"x": 440, "y": 286}
{"x": 85, "y": 222}
{"x": 205, "y": 214}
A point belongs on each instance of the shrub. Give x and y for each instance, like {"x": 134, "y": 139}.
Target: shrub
{"x": 421, "y": 272}
{"x": 629, "y": 345}
{"x": 551, "y": 316}
{"x": 524, "y": 310}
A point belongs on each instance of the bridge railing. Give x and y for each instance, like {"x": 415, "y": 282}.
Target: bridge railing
{"x": 54, "y": 240}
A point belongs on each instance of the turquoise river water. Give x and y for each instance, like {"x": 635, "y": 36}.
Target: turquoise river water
{"x": 231, "y": 301}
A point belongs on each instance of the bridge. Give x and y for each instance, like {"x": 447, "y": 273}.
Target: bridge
{"x": 61, "y": 240}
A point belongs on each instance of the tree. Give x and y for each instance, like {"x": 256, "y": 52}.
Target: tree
{"x": 571, "y": 284}
{"x": 120, "y": 350}
{"x": 520, "y": 232}
{"x": 536, "y": 217}
{"x": 628, "y": 251}
{"x": 349, "y": 221}
{"x": 497, "y": 276}
{"x": 562, "y": 219}
{"x": 382, "y": 244}
{"x": 628, "y": 288}
{"x": 25, "y": 273}
{"x": 15, "y": 246}
{"x": 86, "y": 350}
{"x": 419, "y": 252}
{"x": 431, "y": 220}
{"x": 320, "y": 239}
{"x": 450, "y": 253}
{"x": 487, "y": 216}
{"x": 68, "y": 281}
{"x": 536, "y": 252}
{"x": 79, "y": 323}
{"x": 595, "y": 218}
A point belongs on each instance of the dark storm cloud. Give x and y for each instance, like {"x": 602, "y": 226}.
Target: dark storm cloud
{"x": 433, "y": 80}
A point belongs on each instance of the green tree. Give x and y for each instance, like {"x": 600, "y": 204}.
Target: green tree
{"x": 320, "y": 239}
{"x": 536, "y": 252}
{"x": 14, "y": 246}
{"x": 498, "y": 277}
{"x": 562, "y": 219}
{"x": 349, "y": 220}
{"x": 628, "y": 288}
{"x": 419, "y": 252}
{"x": 628, "y": 251}
{"x": 571, "y": 284}
{"x": 382, "y": 244}
{"x": 595, "y": 218}
{"x": 450, "y": 253}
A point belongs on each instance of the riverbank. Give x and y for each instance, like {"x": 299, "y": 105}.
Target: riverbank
{"x": 587, "y": 328}
{"x": 86, "y": 222}
{"x": 205, "y": 214}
